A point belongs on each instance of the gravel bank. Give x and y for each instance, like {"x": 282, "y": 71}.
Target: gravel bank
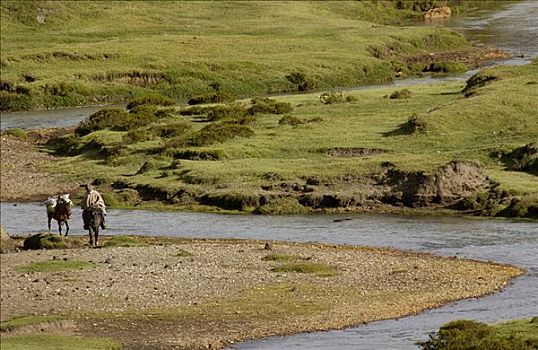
{"x": 221, "y": 292}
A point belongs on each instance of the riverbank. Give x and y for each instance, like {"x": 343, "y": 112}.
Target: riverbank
{"x": 197, "y": 293}
{"x": 374, "y": 150}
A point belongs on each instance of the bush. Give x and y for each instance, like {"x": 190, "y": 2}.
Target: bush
{"x": 210, "y": 154}
{"x": 212, "y": 97}
{"x": 45, "y": 241}
{"x": 335, "y": 97}
{"x": 280, "y": 206}
{"x": 476, "y": 81}
{"x": 225, "y": 111}
{"x": 466, "y": 335}
{"x": 266, "y": 105}
{"x": 446, "y": 67}
{"x": 170, "y": 130}
{"x": 219, "y": 132}
{"x": 151, "y": 99}
{"x": 290, "y": 120}
{"x": 414, "y": 124}
{"x": 64, "y": 146}
{"x": 401, "y": 94}
{"x": 137, "y": 135}
{"x": 101, "y": 119}
{"x": 302, "y": 82}
{"x": 16, "y": 133}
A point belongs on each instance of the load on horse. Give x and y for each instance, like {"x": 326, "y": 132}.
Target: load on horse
{"x": 59, "y": 209}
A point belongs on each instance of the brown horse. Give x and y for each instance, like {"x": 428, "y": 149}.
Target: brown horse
{"x": 61, "y": 213}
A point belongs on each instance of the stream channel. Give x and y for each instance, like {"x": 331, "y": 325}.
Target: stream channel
{"x": 514, "y": 242}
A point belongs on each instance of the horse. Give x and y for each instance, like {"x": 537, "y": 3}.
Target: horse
{"x": 92, "y": 217}
{"x": 59, "y": 209}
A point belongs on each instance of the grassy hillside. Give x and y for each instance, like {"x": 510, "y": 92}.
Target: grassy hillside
{"x": 65, "y": 53}
{"x": 348, "y": 150}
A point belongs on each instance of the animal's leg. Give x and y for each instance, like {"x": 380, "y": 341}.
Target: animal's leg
{"x": 66, "y": 227}
{"x": 96, "y": 234}
{"x": 60, "y": 227}
{"x": 50, "y": 219}
{"x": 91, "y": 236}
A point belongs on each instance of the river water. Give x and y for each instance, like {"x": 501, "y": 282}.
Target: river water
{"x": 514, "y": 29}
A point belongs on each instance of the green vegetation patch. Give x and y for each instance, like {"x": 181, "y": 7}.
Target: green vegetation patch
{"x": 21, "y": 321}
{"x": 57, "y": 342}
{"x": 16, "y": 133}
{"x": 467, "y": 334}
{"x": 183, "y": 253}
{"x": 46, "y": 241}
{"x": 319, "y": 269}
{"x": 283, "y": 257}
{"x": 124, "y": 241}
{"x": 55, "y": 265}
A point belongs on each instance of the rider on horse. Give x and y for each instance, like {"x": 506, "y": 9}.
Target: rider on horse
{"x": 92, "y": 198}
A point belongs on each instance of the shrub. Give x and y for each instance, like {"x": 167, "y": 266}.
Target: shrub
{"x": 476, "y": 81}
{"x": 225, "y": 111}
{"x": 212, "y": 97}
{"x": 266, "y": 105}
{"x": 210, "y": 154}
{"x": 151, "y": 99}
{"x": 13, "y": 101}
{"x": 335, "y": 97}
{"x": 45, "y": 241}
{"x": 466, "y": 334}
{"x": 401, "y": 94}
{"x": 302, "y": 82}
{"x": 137, "y": 135}
{"x": 16, "y": 133}
{"x": 170, "y": 130}
{"x": 290, "y": 120}
{"x": 101, "y": 119}
{"x": 65, "y": 145}
{"x": 219, "y": 132}
{"x": 414, "y": 124}
{"x": 446, "y": 67}
{"x": 230, "y": 201}
{"x": 280, "y": 206}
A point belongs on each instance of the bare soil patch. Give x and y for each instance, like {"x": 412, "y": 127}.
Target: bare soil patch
{"x": 23, "y": 175}
{"x": 222, "y": 292}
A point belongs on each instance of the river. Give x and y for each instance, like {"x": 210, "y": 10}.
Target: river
{"x": 514, "y": 29}
{"x": 498, "y": 240}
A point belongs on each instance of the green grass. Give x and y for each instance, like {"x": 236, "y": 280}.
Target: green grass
{"x": 467, "y": 334}
{"x": 500, "y": 116}
{"x": 282, "y": 257}
{"x": 183, "y": 253}
{"x": 21, "y": 321}
{"x": 55, "y": 265}
{"x": 57, "y": 342}
{"x": 111, "y": 51}
{"x": 124, "y": 241}
{"x": 319, "y": 269}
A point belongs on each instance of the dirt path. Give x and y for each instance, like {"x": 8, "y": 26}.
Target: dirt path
{"x": 207, "y": 294}
{"x": 22, "y": 170}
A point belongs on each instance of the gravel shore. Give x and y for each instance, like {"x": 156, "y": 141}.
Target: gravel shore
{"x": 201, "y": 294}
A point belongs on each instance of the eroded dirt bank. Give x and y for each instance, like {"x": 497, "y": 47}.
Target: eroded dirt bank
{"x": 29, "y": 174}
{"x": 199, "y": 294}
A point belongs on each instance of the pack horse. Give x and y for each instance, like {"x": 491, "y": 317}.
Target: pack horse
{"x": 59, "y": 209}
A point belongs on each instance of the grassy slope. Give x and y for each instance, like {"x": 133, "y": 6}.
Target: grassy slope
{"x": 108, "y": 51}
{"x": 500, "y": 116}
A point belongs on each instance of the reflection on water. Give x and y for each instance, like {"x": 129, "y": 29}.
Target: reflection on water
{"x": 497, "y": 240}
{"x": 514, "y": 29}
